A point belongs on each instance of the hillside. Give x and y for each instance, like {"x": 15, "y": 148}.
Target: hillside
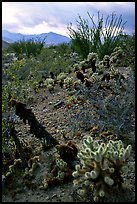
{"x": 68, "y": 125}
{"x": 70, "y": 114}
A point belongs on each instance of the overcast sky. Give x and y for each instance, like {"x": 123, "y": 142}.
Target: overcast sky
{"x": 44, "y": 17}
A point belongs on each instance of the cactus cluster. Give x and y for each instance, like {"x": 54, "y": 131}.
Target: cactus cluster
{"x": 74, "y": 100}
{"x": 68, "y": 82}
{"x": 30, "y": 172}
{"x": 101, "y": 167}
{"x": 116, "y": 56}
{"x": 100, "y": 67}
{"x": 90, "y": 62}
{"x": 61, "y": 165}
{"x": 77, "y": 84}
{"x": 33, "y": 164}
{"x": 49, "y": 83}
{"x": 77, "y": 66}
{"x": 61, "y": 76}
{"x": 59, "y": 173}
{"x": 70, "y": 101}
{"x": 106, "y": 60}
{"x": 12, "y": 168}
{"x": 92, "y": 56}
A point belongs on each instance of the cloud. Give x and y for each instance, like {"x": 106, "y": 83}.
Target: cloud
{"x": 36, "y": 17}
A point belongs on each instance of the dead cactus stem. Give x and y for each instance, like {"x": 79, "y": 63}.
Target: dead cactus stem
{"x": 35, "y": 127}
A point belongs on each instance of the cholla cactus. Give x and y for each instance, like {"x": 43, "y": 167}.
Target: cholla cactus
{"x": 101, "y": 167}
{"x": 92, "y": 60}
{"x": 60, "y": 164}
{"x": 82, "y": 63}
{"x": 71, "y": 101}
{"x": 33, "y": 164}
{"x": 61, "y": 76}
{"x": 116, "y": 56}
{"x": 58, "y": 174}
{"x": 12, "y": 168}
{"x": 68, "y": 82}
{"x": 77, "y": 85}
{"x": 92, "y": 56}
{"x": 100, "y": 67}
{"x": 95, "y": 76}
{"x": 50, "y": 87}
{"x": 87, "y": 63}
{"x": 113, "y": 70}
{"x": 76, "y": 66}
{"x": 49, "y": 83}
{"x": 106, "y": 60}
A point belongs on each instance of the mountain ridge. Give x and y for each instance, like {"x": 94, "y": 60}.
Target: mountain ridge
{"x": 51, "y": 38}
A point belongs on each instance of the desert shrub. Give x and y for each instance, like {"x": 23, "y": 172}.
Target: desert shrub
{"x": 113, "y": 111}
{"x": 16, "y": 83}
{"x": 29, "y": 48}
{"x": 63, "y": 49}
{"x": 51, "y": 59}
{"x": 127, "y": 44}
{"x": 11, "y": 86}
{"x": 102, "y": 37}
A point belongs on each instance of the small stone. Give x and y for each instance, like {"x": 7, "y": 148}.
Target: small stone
{"x": 45, "y": 110}
{"x": 54, "y": 195}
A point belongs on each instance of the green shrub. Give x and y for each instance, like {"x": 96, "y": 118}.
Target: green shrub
{"x": 63, "y": 48}
{"x": 127, "y": 44}
{"x": 51, "y": 59}
{"x": 29, "y": 48}
{"x": 14, "y": 87}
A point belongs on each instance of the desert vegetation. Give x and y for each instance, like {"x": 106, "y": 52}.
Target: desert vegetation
{"x": 68, "y": 114}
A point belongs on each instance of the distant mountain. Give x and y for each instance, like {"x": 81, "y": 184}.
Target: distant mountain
{"x": 50, "y": 38}
{"x": 5, "y": 44}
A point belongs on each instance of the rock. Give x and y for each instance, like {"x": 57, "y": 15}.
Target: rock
{"x": 59, "y": 104}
